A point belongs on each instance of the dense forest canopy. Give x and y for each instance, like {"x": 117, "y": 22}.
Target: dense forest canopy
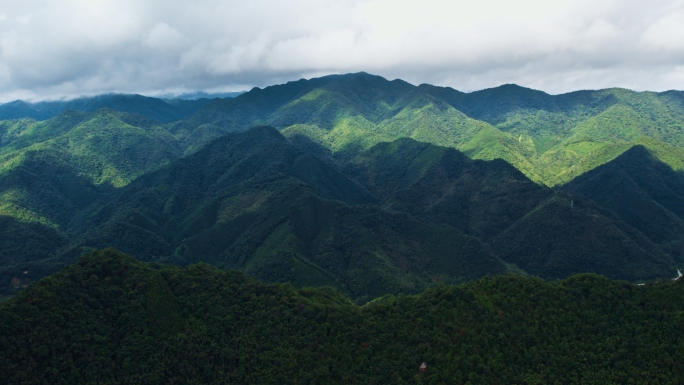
{"x": 112, "y": 319}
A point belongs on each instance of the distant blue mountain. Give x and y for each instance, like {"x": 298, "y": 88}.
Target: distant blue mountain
{"x": 161, "y": 110}
{"x": 202, "y": 95}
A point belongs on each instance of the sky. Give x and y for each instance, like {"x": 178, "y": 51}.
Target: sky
{"x": 63, "y": 49}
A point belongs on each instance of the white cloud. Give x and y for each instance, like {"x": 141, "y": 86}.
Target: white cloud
{"x": 162, "y": 36}
{"x": 667, "y": 33}
{"x": 51, "y": 49}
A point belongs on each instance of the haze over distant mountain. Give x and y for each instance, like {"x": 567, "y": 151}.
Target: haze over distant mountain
{"x": 200, "y": 95}
{"x": 163, "y": 111}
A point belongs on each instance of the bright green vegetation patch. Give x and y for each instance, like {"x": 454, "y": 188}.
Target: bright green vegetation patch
{"x": 110, "y": 318}
{"x": 103, "y": 147}
{"x": 552, "y": 139}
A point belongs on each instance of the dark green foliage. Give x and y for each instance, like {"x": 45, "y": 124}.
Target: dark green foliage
{"x": 163, "y": 313}
{"x": 90, "y": 324}
{"x": 28, "y": 252}
{"x": 641, "y": 190}
{"x": 44, "y": 188}
{"x": 443, "y": 185}
{"x": 255, "y": 202}
{"x": 569, "y": 234}
{"x": 526, "y": 224}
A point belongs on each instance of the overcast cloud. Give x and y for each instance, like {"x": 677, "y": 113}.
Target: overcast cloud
{"x": 52, "y": 49}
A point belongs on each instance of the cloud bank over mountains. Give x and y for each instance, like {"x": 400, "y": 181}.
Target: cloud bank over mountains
{"x": 52, "y": 49}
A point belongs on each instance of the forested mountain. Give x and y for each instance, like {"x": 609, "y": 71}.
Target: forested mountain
{"x": 354, "y": 199}
{"x": 546, "y": 233}
{"x": 368, "y": 185}
{"x": 550, "y": 138}
{"x": 255, "y": 202}
{"x": 416, "y": 215}
{"x": 112, "y": 319}
{"x": 643, "y": 192}
{"x": 51, "y": 170}
{"x": 161, "y": 110}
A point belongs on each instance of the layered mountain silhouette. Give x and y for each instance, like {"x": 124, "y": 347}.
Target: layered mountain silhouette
{"x": 161, "y": 110}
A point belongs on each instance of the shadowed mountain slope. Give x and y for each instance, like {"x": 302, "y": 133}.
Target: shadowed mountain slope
{"x": 642, "y": 191}
{"x": 281, "y": 204}
{"x": 51, "y": 170}
{"x": 254, "y": 201}
{"x": 568, "y": 234}
{"x": 526, "y": 224}
{"x": 480, "y": 198}
{"x": 29, "y": 251}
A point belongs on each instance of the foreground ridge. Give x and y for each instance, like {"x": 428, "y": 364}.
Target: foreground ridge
{"x": 112, "y": 319}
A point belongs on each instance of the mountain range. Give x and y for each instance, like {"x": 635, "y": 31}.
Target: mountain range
{"x": 353, "y": 181}
{"x": 344, "y": 229}
{"x": 162, "y": 110}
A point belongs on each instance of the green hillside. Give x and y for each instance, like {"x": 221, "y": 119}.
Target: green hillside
{"x": 374, "y": 186}
{"x": 413, "y": 214}
{"x": 550, "y": 138}
{"x": 643, "y": 192}
{"x": 111, "y": 319}
{"x": 254, "y": 201}
{"x": 525, "y": 224}
{"x": 51, "y": 169}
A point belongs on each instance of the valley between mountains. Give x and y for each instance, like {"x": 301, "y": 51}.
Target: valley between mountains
{"x": 370, "y": 186}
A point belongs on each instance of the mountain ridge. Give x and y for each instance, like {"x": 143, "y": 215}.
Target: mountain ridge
{"x": 357, "y": 169}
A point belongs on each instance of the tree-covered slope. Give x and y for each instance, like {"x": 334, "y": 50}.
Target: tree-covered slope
{"x": 111, "y": 319}
{"x": 550, "y": 138}
{"x": 286, "y": 209}
{"x": 575, "y": 132}
{"x": 480, "y": 198}
{"x": 526, "y": 224}
{"x": 415, "y": 214}
{"x": 567, "y": 235}
{"x": 29, "y": 251}
{"x": 51, "y": 169}
{"x": 642, "y": 191}
{"x": 256, "y": 202}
